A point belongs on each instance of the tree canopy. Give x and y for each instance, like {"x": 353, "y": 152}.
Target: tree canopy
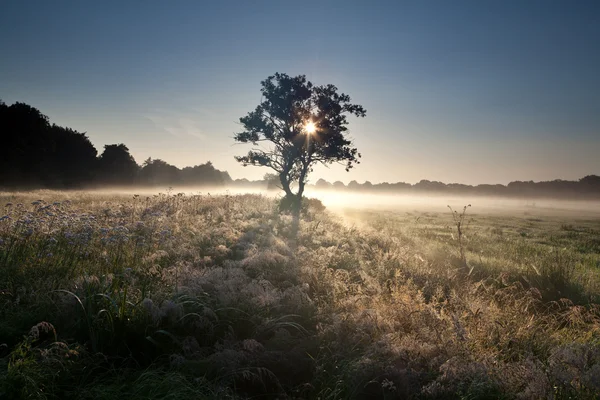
{"x": 296, "y": 126}
{"x": 118, "y": 165}
{"x": 38, "y": 154}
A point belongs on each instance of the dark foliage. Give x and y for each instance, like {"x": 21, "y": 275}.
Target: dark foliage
{"x": 117, "y": 166}
{"x": 587, "y": 187}
{"x": 37, "y": 154}
{"x": 280, "y": 121}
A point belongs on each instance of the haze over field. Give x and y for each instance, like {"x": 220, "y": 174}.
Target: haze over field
{"x": 338, "y": 202}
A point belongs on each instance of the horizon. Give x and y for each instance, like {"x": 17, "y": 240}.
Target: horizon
{"x": 309, "y": 182}
{"x": 478, "y": 94}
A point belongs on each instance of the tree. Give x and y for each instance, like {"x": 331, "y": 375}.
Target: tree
{"x": 272, "y": 181}
{"x": 158, "y": 172}
{"x": 296, "y": 126}
{"x": 117, "y": 165}
{"x": 26, "y": 146}
{"x": 204, "y": 174}
{"x": 353, "y": 185}
{"x": 339, "y": 185}
{"x": 37, "y": 154}
{"x": 322, "y": 184}
{"x": 74, "y": 159}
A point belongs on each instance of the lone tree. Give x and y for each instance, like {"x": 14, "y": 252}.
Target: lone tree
{"x": 296, "y": 126}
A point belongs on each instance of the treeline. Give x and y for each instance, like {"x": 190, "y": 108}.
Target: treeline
{"x": 586, "y": 187}
{"x": 38, "y": 154}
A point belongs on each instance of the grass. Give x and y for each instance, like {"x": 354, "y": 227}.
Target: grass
{"x": 179, "y": 296}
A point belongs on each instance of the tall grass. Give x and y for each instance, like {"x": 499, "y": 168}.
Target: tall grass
{"x": 176, "y": 296}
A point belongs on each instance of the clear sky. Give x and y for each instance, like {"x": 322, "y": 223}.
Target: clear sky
{"x": 457, "y": 91}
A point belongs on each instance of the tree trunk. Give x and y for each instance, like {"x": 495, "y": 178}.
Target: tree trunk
{"x": 297, "y": 204}
{"x": 285, "y": 184}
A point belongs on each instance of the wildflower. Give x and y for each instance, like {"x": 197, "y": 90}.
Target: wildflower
{"x": 387, "y": 384}
{"x": 86, "y": 281}
{"x": 34, "y": 332}
{"x": 252, "y": 346}
{"x": 190, "y": 346}
{"x": 152, "y": 310}
{"x": 176, "y": 360}
{"x": 147, "y": 304}
{"x": 171, "y": 310}
{"x": 42, "y": 330}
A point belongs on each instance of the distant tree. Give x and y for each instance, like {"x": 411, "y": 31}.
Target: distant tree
{"x": 401, "y": 186}
{"x": 117, "y": 166}
{"x": 304, "y": 125}
{"x": 589, "y": 184}
{"x": 432, "y": 186}
{"x": 272, "y": 181}
{"x": 322, "y": 184}
{"x": 26, "y": 146}
{"x": 205, "y": 174}
{"x": 158, "y": 172}
{"x": 74, "y": 161}
{"x": 459, "y": 187}
{"x": 353, "y": 185}
{"x": 592, "y": 180}
{"x": 521, "y": 188}
{"x": 339, "y": 185}
{"x": 37, "y": 154}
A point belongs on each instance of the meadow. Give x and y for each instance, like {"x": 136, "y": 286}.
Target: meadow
{"x": 171, "y": 296}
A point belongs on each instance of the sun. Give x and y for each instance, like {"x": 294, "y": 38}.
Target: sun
{"x": 310, "y": 128}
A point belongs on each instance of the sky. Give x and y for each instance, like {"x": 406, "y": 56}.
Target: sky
{"x": 462, "y": 91}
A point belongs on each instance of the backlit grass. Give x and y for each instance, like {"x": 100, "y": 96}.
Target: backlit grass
{"x": 180, "y": 296}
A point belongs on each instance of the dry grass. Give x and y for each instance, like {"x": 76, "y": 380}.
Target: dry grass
{"x": 174, "y": 296}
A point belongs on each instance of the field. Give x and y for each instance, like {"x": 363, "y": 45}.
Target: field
{"x": 187, "y": 296}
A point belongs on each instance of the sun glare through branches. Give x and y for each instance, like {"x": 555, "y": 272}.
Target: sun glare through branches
{"x": 310, "y": 128}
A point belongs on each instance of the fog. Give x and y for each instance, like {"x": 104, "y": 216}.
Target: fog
{"x": 432, "y": 202}
{"x": 440, "y": 202}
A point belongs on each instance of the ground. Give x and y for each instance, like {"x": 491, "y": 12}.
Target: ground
{"x": 190, "y": 296}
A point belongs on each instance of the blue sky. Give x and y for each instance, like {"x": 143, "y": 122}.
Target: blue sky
{"x": 461, "y": 91}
